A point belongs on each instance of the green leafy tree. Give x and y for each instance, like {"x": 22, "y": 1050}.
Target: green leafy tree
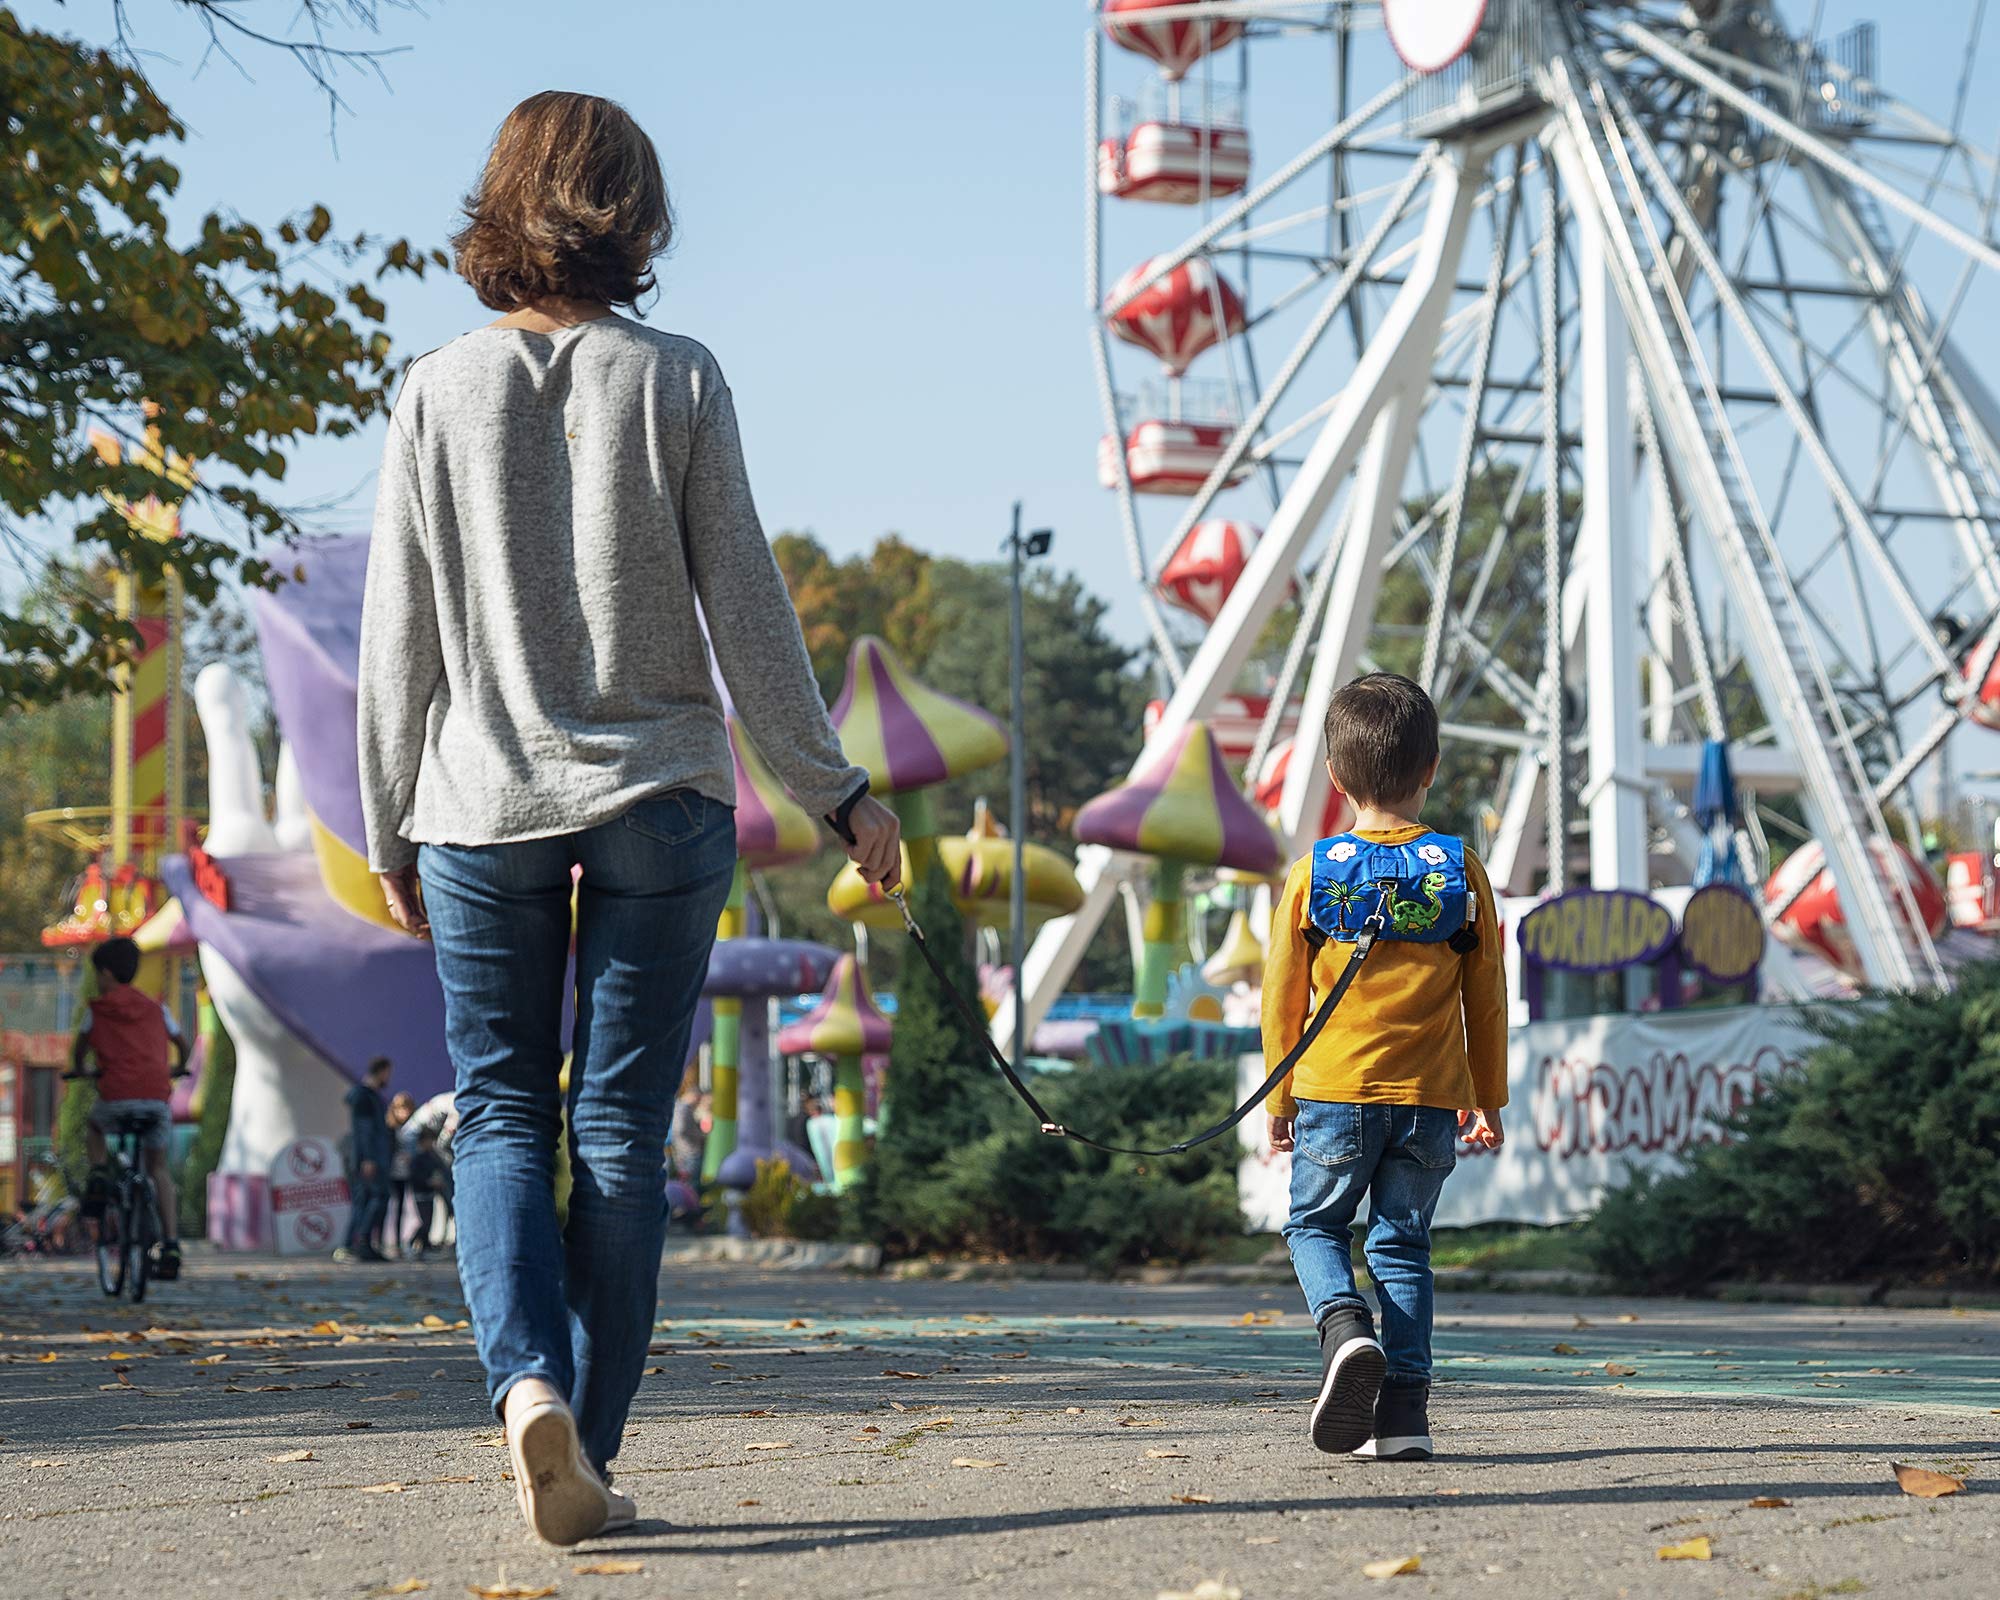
{"x": 231, "y": 333}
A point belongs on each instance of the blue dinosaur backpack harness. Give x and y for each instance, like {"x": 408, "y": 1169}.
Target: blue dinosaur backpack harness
{"x": 1415, "y": 892}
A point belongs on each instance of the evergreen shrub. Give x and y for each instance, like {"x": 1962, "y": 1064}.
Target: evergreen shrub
{"x": 1880, "y": 1161}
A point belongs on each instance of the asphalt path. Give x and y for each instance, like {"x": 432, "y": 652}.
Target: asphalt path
{"x": 297, "y": 1430}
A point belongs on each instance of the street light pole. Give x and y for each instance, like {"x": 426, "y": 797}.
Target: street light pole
{"x": 1019, "y": 551}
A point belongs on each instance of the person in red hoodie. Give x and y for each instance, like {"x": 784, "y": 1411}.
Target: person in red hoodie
{"x": 140, "y": 1051}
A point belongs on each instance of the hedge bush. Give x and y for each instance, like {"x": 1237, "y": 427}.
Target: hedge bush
{"x": 1880, "y": 1161}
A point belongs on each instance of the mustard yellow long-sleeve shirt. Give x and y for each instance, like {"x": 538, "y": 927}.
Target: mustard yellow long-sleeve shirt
{"x": 1422, "y": 1025}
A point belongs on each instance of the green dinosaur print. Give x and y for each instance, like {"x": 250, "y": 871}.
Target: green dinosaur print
{"x": 1413, "y": 916}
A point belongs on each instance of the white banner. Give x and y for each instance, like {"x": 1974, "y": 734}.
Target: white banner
{"x": 1588, "y": 1100}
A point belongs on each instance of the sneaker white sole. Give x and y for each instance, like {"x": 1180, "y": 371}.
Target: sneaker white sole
{"x": 1344, "y": 1415}
{"x": 1397, "y": 1447}
{"x": 561, "y": 1499}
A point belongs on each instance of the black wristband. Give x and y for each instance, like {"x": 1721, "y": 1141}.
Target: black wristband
{"x": 838, "y": 819}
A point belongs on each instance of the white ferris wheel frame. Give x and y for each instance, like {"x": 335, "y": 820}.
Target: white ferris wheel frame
{"x": 1647, "y": 399}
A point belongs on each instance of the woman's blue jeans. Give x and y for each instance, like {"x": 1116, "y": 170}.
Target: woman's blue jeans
{"x": 572, "y": 1305}
{"x": 1398, "y": 1157}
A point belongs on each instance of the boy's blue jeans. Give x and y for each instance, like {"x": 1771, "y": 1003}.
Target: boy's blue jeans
{"x": 1399, "y": 1157}
{"x": 574, "y": 1305}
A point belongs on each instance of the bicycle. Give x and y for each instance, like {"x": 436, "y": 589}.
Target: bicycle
{"x": 129, "y": 1225}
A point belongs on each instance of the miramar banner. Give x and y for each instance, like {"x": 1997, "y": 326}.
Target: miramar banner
{"x": 1588, "y": 1101}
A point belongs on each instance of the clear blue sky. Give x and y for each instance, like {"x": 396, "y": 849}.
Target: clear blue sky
{"x": 881, "y": 220}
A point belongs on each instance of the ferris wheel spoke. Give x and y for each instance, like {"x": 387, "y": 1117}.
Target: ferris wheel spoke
{"x": 1162, "y": 265}
{"x": 1808, "y": 143}
{"x": 1281, "y": 381}
{"x": 1861, "y": 526}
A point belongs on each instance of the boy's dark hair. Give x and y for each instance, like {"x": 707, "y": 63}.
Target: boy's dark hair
{"x": 1381, "y": 737}
{"x": 572, "y": 202}
{"x": 117, "y": 959}
{"x": 381, "y": 1066}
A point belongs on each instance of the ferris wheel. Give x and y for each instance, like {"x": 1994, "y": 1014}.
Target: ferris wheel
{"x": 1602, "y": 364}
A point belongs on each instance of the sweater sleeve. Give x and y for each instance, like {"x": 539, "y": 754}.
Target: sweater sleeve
{"x": 1485, "y": 988}
{"x": 402, "y": 659}
{"x": 751, "y": 622}
{"x": 1287, "y": 985}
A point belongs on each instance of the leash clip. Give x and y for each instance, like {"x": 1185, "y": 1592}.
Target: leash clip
{"x": 1055, "y": 1130}
{"x": 901, "y": 897}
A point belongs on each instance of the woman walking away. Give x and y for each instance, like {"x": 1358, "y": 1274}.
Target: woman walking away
{"x": 560, "y": 490}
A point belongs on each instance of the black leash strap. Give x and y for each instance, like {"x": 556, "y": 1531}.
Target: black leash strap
{"x": 1370, "y": 929}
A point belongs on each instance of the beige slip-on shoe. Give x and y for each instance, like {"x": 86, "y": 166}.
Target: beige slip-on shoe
{"x": 561, "y": 1499}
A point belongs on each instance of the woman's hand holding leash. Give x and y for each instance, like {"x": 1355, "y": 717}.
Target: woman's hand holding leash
{"x": 873, "y": 838}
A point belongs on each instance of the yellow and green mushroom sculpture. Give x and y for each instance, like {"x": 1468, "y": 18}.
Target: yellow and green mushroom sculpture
{"x": 845, "y": 1026}
{"x": 980, "y": 865}
{"x": 1182, "y": 808}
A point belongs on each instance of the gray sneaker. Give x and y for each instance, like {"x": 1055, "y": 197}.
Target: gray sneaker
{"x": 1352, "y": 1365}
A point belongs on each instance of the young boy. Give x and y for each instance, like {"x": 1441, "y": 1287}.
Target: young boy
{"x": 1415, "y": 1052}
{"x": 134, "y": 1038}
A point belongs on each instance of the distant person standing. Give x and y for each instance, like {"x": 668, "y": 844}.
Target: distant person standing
{"x": 562, "y": 501}
{"x": 373, "y": 1151}
{"x": 389, "y": 1236}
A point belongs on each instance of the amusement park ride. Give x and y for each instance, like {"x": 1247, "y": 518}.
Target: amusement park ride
{"x": 1621, "y": 329}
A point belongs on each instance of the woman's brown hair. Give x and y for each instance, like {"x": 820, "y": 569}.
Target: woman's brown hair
{"x": 572, "y": 203}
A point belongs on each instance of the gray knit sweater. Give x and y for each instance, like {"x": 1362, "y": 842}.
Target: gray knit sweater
{"x": 551, "y": 511}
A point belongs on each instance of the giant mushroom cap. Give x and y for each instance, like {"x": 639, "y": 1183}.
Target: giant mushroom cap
{"x": 980, "y": 865}
{"x": 1183, "y": 806}
{"x": 907, "y": 735}
{"x": 844, "y": 1023}
{"x": 772, "y": 829}
{"x": 746, "y": 969}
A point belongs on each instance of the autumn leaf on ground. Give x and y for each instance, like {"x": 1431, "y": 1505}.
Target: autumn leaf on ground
{"x": 891, "y": 1372}
{"x": 609, "y": 1569}
{"x": 433, "y": 1320}
{"x": 215, "y": 1360}
{"x": 1166, "y": 1455}
{"x": 382, "y": 1488}
{"x": 749, "y": 1502}
{"x": 509, "y": 1591}
{"x": 1924, "y": 1483}
{"x": 1393, "y": 1567}
{"x": 360, "y": 1424}
{"x": 775, "y": 1444}
{"x": 974, "y": 1461}
{"x": 1578, "y": 1324}
{"x": 1564, "y": 1350}
{"x": 1696, "y": 1549}
{"x": 1193, "y": 1499}
{"x": 1141, "y": 1422}
{"x": 1207, "y": 1589}
{"x": 1618, "y": 1369}
{"x": 407, "y": 1586}
{"x": 400, "y": 1394}
{"x": 1628, "y": 1316}
{"x": 293, "y": 1455}
{"x": 1769, "y": 1502}
{"x": 798, "y": 1322}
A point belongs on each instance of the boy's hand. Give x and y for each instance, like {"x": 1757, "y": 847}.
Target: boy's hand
{"x": 405, "y": 898}
{"x": 1281, "y": 1133}
{"x": 1481, "y": 1129}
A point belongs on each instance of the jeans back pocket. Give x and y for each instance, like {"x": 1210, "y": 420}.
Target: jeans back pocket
{"x": 674, "y": 817}
{"x": 1328, "y": 1132}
